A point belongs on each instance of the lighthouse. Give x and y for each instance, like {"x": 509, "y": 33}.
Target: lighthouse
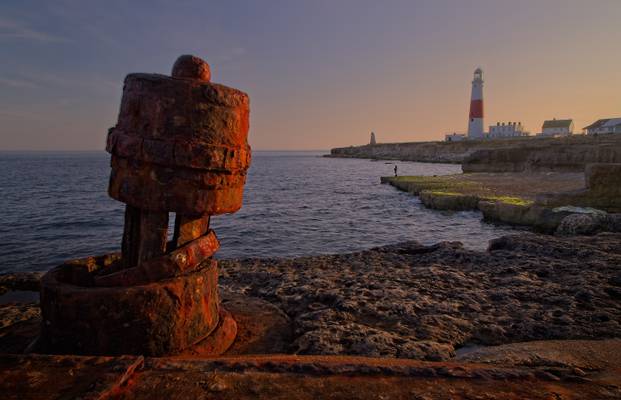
{"x": 475, "y": 122}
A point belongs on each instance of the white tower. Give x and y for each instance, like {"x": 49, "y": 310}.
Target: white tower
{"x": 372, "y": 142}
{"x": 475, "y": 122}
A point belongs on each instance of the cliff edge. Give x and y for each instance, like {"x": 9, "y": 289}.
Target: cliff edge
{"x": 500, "y": 155}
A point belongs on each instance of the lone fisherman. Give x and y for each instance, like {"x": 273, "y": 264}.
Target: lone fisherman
{"x": 395, "y": 170}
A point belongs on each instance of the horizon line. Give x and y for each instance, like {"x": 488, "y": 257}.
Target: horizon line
{"x": 103, "y": 150}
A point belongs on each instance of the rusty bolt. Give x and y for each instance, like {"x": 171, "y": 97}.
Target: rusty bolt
{"x": 191, "y": 67}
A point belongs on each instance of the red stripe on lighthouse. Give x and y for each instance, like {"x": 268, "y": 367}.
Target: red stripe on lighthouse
{"x": 476, "y": 109}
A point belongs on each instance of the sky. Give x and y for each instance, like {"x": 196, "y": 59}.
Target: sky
{"x": 320, "y": 73}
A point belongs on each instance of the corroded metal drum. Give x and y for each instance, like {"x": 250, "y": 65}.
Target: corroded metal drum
{"x": 153, "y": 318}
{"x": 180, "y": 144}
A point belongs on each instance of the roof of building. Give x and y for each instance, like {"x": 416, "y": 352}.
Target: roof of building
{"x": 557, "y": 123}
{"x": 604, "y": 123}
{"x": 597, "y": 123}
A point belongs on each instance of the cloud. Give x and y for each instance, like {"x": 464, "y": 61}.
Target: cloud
{"x": 17, "y": 83}
{"x": 10, "y": 114}
{"x": 31, "y": 79}
{"x": 238, "y": 51}
{"x": 10, "y": 29}
{"x": 231, "y": 55}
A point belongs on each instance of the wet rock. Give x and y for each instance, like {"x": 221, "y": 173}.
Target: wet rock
{"x": 413, "y": 301}
{"x": 448, "y": 201}
{"x": 427, "y": 350}
{"x": 582, "y": 224}
{"x": 19, "y": 326}
{"x": 613, "y": 222}
{"x": 577, "y": 355}
{"x": 542, "y": 219}
{"x": 262, "y": 328}
{"x": 615, "y": 280}
{"x": 27, "y": 281}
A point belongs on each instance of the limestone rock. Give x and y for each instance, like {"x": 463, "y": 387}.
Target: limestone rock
{"x": 20, "y": 281}
{"x": 603, "y": 190}
{"x": 409, "y": 300}
{"x": 448, "y": 201}
{"x": 567, "y": 154}
{"x": 581, "y": 224}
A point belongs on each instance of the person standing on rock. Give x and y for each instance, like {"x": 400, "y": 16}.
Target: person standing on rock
{"x": 395, "y": 170}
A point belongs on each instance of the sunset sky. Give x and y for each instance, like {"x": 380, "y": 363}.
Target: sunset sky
{"x": 320, "y": 74}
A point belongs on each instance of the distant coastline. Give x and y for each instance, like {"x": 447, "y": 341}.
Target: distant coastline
{"x": 500, "y": 155}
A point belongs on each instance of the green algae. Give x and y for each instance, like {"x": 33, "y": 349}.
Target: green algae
{"x": 441, "y": 184}
{"x": 441, "y": 193}
{"x": 455, "y": 185}
{"x": 517, "y": 201}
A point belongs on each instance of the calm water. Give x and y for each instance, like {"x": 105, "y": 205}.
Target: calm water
{"x": 55, "y": 207}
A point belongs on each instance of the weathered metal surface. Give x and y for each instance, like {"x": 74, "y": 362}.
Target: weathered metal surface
{"x": 176, "y": 142}
{"x": 180, "y": 145}
{"x": 159, "y": 318}
{"x": 188, "y": 229}
{"x": 191, "y": 67}
{"x": 185, "y": 191}
{"x": 178, "y": 262}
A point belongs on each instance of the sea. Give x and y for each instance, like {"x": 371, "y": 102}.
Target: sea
{"x": 54, "y": 207}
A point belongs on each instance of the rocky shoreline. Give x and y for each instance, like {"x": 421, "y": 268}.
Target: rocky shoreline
{"x": 424, "y": 302}
{"x": 534, "y": 307}
{"x": 568, "y": 154}
{"x": 564, "y": 203}
{"x": 270, "y": 377}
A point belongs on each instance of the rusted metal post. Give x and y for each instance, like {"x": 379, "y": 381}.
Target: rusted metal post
{"x": 179, "y": 146}
{"x": 144, "y": 235}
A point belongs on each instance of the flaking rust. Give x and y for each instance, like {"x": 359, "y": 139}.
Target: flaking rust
{"x": 179, "y": 146}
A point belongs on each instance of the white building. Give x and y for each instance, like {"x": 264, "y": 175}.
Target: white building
{"x": 455, "y": 137}
{"x": 557, "y": 127}
{"x": 604, "y": 126}
{"x": 510, "y": 129}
